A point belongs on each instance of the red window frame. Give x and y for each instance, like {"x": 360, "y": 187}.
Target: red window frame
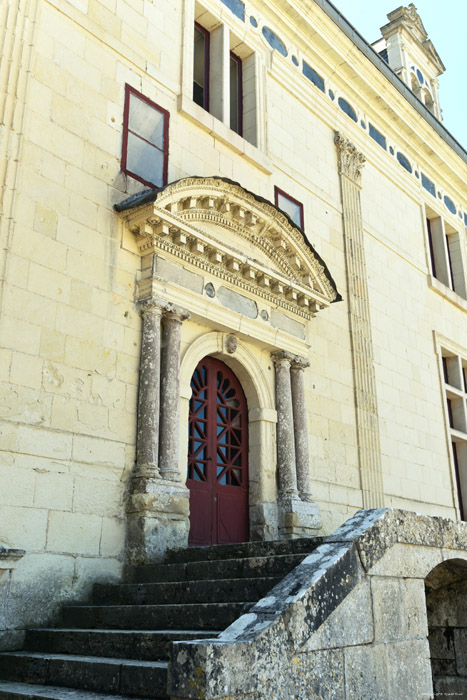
{"x": 238, "y": 61}
{"x": 207, "y": 54}
{"x": 277, "y": 192}
{"x": 129, "y": 91}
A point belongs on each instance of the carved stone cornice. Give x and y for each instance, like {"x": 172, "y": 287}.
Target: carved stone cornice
{"x": 351, "y": 161}
{"x": 263, "y": 252}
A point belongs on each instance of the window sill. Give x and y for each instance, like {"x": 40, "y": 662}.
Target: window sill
{"x": 447, "y": 293}
{"x": 220, "y": 131}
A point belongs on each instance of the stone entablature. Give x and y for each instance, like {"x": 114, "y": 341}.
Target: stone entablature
{"x": 186, "y": 222}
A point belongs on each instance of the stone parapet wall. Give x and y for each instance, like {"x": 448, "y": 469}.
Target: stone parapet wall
{"x": 349, "y": 622}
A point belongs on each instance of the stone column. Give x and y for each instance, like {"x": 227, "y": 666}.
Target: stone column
{"x": 296, "y": 517}
{"x": 170, "y": 392}
{"x": 350, "y": 171}
{"x": 285, "y": 425}
{"x": 147, "y": 436}
{"x": 302, "y": 455}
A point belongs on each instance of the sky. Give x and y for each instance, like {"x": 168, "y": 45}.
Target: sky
{"x": 445, "y": 23}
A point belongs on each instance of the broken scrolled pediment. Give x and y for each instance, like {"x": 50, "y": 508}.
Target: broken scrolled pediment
{"x": 215, "y": 225}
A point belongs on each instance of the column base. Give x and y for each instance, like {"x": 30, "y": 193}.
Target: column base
{"x": 297, "y": 518}
{"x": 157, "y": 520}
{"x": 263, "y": 521}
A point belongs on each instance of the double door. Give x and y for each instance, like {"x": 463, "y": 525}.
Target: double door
{"x": 217, "y": 456}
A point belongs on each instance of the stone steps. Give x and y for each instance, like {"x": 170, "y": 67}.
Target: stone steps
{"x": 214, "y": 590}
{"x": 146, "y": 645}
{"x": 96, "y": 673}
{"x": 118, "y": 645}
{"x": 12, "y": 690}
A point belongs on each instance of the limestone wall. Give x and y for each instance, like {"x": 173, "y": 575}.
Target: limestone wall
{"x": 69, "y": 330}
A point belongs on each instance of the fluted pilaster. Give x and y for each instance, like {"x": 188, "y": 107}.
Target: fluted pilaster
{"x": 351, "y": 163}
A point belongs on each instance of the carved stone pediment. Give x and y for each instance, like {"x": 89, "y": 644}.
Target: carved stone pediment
{"x": 215, "y": 225}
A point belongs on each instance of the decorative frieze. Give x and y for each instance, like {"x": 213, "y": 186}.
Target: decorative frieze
{"x": 187, "y": 222}
{"x": 351, "y": 163}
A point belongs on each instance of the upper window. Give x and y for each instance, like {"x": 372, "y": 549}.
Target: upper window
{"x": 201, "y": 67}
{"x": 455, "y": 385}
{"x": 145, "y": 148}
{"x": 446, "y": 254}
{"x": 236, "y": 94}
{"x": 290, "y": 206}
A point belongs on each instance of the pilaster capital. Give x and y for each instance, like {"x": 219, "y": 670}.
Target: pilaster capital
{"x": 151, "y": 304}
{"x": 175, "y": 313}
{"x": 282, "y": 358}
{"x": 299, "y": 363}
{"x": 351, "y": 161}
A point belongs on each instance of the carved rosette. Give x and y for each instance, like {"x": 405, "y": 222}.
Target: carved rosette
{"x": 351, "y": 161}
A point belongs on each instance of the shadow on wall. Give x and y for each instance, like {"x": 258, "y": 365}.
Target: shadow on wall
{"x": 446, "y": 602}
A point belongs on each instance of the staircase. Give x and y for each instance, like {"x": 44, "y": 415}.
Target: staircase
{"x": 110, "y": 645}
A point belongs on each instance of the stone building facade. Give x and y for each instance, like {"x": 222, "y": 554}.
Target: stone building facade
{"x": 245, "y": 185}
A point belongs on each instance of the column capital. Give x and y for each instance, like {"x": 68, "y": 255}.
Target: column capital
{"x": 156, "y": 304}
{"x": 299, "y": 363}
{"x": 282, "y": 357}
{"x": 175, "y": 313}
{"x": 351, "y": 161}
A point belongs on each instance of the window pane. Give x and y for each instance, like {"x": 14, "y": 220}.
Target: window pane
{"x": 146, "y": 121}
{"x": 145, "y": 160}
{"x": 234, "y": 95}
{"x": 199, "y": 68}
{"x": 291, "y": 208}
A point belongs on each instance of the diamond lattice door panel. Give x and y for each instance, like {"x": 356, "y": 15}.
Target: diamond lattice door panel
{"x": 217, "y": 456}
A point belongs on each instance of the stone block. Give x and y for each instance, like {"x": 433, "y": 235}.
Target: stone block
{"x": 74, "y": 532}
{"x": 113, "y": 537}
{"x": 44, "y": 443}
{"x": 318, "y": 674}
{"x": 399, "y": 609}
{"x": 177, "y": 274}
{"x": 53, "y": 491}
{"x": 409, "y": 670}
{"x": 237, "y": 302}
{"x": 97, "y": 497}
{"x": 24, "y": 528}
{"x": 366, "y": 676}
{"x": 287, "y": 324}
{"x": 340, "y": 628}
{"x": 98, "y": 451}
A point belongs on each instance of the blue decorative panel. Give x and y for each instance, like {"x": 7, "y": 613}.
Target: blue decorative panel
{"x": 391, "y": 150}
{"x": 274, "y": 41}
{"x": 253, "y": 22}
{"x": 295, "y": 60}
{"x": 331, "y": 94}
{"x": 420, "y": 76}
{"x": 237, "y": 7}
{"x": 404, "y": 162}
{"x": 450, "y": 204}
{"x": 428, "y": 185}
{"x": 348, "y": 109}
{"x": 465, "y": 219}
{"x": 362, "y": 124}
{"x": 378, "y": 136}
{"x": 439, "y": 195}
{"x": 417, "y": 175}
{"x": 312, "y": 75}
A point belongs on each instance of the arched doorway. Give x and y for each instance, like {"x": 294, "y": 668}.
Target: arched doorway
{"x": 217, "y": 456}
{"x": 446, "y": 602}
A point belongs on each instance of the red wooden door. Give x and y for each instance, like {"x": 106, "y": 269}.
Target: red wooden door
{"x": 217, "y": 456}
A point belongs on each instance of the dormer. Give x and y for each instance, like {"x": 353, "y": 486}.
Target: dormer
{"x": 410, "y": 53}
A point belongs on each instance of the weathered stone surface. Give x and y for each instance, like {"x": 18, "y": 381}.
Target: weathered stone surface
{"x": 399, "y": 608}
{"x": 175, "y": 273}
{"x": 409, "y": 670}
{"x": 366, "y": 676}
{"x": 319, "y": 674}
{"x": 237, "y": 302}
{"x": 350, "y": 624}
{"x": 287, "y": 324}
{"x": 408, "y": 561}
